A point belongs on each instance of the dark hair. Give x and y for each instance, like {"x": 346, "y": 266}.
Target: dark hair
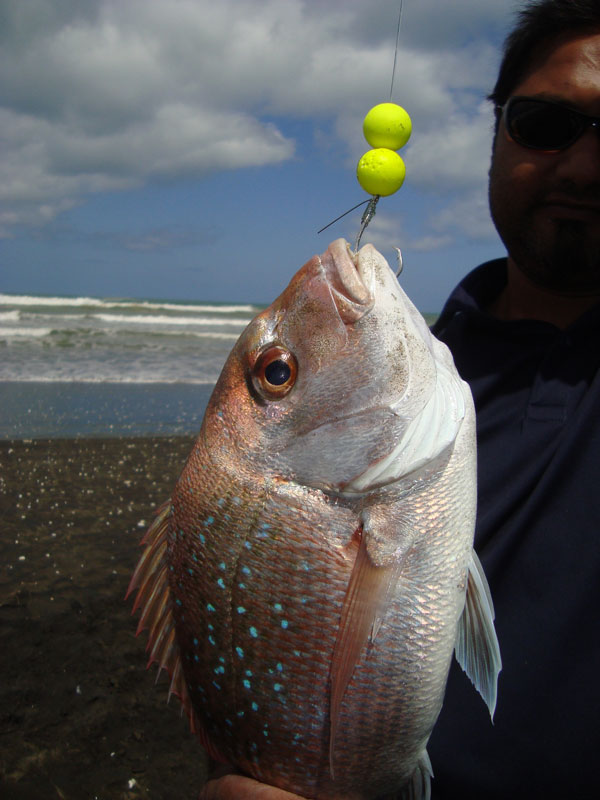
{"x": 538, "y": 23}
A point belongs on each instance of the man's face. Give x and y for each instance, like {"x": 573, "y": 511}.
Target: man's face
{"x": 546, "y": 205}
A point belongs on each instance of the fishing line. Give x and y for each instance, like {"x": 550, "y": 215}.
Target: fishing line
{"x": 350, "y": 210}
{"x": 396, "y": 50}
{"x": 390, "y": 173}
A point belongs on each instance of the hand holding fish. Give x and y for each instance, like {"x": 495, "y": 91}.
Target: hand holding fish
{"x": 237, "y": 787}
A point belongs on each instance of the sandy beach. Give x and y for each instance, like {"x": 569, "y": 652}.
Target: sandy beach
{"x": 80, "y": 717}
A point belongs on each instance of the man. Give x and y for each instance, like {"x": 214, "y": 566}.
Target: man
{"x": 525, "y": 333}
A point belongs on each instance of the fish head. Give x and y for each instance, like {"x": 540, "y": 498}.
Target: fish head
{"x": 325, "y": 383}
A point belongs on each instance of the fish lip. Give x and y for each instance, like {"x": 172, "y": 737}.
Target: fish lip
{"x": 351, "y": 280}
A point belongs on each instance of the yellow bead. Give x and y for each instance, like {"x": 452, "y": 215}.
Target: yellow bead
{"x": 381, "y": 171}
{"x": 387, "y": 125}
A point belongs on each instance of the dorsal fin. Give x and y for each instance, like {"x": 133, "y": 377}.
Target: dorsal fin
{"x": 153, "y": 597}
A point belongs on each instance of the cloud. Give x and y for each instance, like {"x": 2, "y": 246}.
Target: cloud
{"x": 456, "y": 152}
{"x": 105, "y": 95}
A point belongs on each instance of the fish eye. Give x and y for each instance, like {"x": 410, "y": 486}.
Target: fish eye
{"x": 275, "y": 372}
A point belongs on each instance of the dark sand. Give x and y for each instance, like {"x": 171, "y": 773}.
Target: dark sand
{"x": 80, "y": 717}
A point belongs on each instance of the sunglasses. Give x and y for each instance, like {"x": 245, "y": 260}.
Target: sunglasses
{"x": 543, "y": 124}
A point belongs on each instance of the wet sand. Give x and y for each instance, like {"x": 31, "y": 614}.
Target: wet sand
{"x": 80, "y": 717}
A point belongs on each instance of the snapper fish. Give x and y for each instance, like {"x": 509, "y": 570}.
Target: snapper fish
{"x": 313, "y": 571}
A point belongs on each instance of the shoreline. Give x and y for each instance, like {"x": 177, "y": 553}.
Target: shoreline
{"x": 56, "y": 410}
{"x": 80, "y": 714}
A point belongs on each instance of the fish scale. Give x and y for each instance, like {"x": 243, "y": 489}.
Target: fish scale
{"x": 285, "y": 602}
{"x": 313, "y": 571}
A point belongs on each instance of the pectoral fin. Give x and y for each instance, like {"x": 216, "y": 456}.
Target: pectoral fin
{"x": 476, "y": 648}
{"x": 363, "y": 607}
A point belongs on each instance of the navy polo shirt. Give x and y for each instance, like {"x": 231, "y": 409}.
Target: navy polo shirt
{"x": 537, "y": 397}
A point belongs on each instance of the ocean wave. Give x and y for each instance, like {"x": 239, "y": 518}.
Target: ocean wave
{"x": 30, "y": 333}
{"x": 9, "y": 316}
{"x": 150, "y": 319}
{"x": 82, "y": 335}
{"x": 97, "y": 302}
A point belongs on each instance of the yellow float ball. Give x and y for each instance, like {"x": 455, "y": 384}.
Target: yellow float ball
{"x": 387, "y": 125}
{"x": 381, "y": 171}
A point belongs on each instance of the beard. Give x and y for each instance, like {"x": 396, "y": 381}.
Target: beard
{"x": 559, "y": 253}
{"x": 565, "y": 261}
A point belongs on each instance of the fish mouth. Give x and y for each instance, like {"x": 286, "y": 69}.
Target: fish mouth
{"x": 351, "y": 279}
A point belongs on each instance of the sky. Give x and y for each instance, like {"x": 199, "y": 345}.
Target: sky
{"x": 192, "y": 149}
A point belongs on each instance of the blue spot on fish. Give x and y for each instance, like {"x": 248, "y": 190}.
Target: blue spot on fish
{"x": 211, "y": 639}
{"x": 280, "y": 667}
{"x": 221, "y": 583}
{"x": 277, "y": 687}
{"x": 220, "y": 670}
{"x": 196, "y": 642}
{"x": 216, "y": 685}
{"x": 223, "y": 565}
{"x": 254, "y": 706}
{"x": 241, "y": 585}
{"x": 277, "y": 606}
{"x": 247, "y": 683}
{"x": 284, "y": 623}
{"x": 210, "y": 607}
{"x": 239, "y": 651}
{"x": 253, "y": 632}
{"x": 246, "y": 570}
{"x": 202, "y": 538}
{"x": 241, "y": 610}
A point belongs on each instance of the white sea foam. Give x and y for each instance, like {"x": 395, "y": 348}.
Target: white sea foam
{"x": 29, "y": 300}
{"x": 91, "y": 340}
{"x": 141, "y": 319}
{"x": 29, "y": 333}
{"x": 9, "y": 316}
{"x": 96, "y": 302}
